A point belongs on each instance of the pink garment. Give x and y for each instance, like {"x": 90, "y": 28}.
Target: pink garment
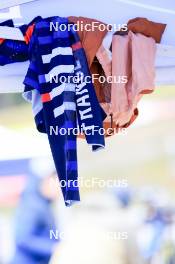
{"x": 104, "y": 57}
{"x": 133, "y": 56}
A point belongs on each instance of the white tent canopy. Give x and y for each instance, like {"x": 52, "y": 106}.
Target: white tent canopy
{"x": 111, "y": 11}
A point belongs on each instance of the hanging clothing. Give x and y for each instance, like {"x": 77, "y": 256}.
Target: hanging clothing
{"x": 57, "y": 105}
{"x": 136, "y": 54}
{"x": 137, "y": 25}
{"x": 60, "y": 105}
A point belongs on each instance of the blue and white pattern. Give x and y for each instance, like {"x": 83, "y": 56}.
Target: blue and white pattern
{"x": 62, "y": 105}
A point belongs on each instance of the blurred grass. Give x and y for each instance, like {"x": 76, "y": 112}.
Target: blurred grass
{"x": 20, "y": 116}
{"x": 17, "y": 117}
{"x": 122, "y": 157}
{"x": 162, "y": 92}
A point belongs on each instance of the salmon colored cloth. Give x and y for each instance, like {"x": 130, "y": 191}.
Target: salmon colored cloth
{"x": 133, "y": 56}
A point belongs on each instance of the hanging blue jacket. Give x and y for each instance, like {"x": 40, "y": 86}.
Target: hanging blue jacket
{"x": 62, "y": 105}
{"x": 59, "y": 106}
